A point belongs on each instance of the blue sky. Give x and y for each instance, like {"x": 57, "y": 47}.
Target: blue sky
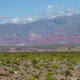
{"x": 20, "y": 8}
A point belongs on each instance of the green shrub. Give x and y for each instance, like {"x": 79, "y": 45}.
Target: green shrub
{"x": 11, "y": 70}
{"x": 54, "y": 66}
{"x": 36, "y": 76}
{"x": 67, "y": 72}
{"x": 70, "y": 67}
{"x": 49, "y": 77}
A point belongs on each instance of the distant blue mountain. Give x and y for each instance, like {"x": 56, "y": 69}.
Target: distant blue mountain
{"x": 58, "y": 29}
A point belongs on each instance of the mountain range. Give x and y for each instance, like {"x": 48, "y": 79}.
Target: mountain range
{"x": 62, "y": 29}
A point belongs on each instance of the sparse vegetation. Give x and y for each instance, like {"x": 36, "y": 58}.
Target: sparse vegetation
{"x": 40, "y": 66}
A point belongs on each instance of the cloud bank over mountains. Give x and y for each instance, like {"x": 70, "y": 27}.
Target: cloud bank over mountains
{"x": 55, "y": 25}
{"x": 51, "y": 12}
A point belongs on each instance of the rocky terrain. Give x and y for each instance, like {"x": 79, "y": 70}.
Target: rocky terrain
{"x": 45, "y": 48}
{"x": 40, "y": 66}
{"x": 77, "y": 48}
{"x": 22, "y": 49}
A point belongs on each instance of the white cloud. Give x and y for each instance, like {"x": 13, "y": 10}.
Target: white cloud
{"x": 4, "y": 19}
{"x": 55, "y": 11}
{"x": 30, "y": 19}
{"x": 51, "y": 17}
{"x": 14, "y": 20}
{"x": 51, "y": 12}
{"x": 71, "y": 11}
{"x": 50, "y": 7}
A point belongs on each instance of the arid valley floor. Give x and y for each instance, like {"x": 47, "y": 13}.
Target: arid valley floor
{"x": 40, "y": 66}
